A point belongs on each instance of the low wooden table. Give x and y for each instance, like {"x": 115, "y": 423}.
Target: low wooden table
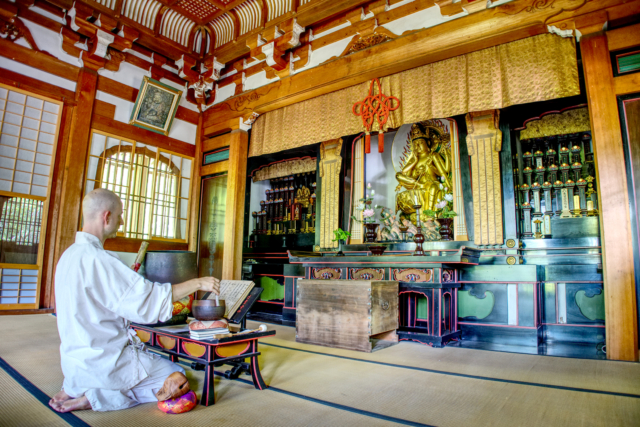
{"x": 206, "y": 354}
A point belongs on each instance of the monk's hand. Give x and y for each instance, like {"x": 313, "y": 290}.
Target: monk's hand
{"x": 210, "y": 284}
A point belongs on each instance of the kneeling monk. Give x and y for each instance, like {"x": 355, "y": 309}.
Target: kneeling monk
{"x": 104, "y": 364}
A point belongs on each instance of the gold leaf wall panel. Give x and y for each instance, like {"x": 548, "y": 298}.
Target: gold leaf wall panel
{"x": 529, "y": 70}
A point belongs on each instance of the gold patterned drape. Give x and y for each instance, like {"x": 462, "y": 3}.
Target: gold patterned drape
{"x": 529, "y": 70}
{"x": 329, "y": 171}
{"x": 285, "y": 169}
{"x": 572, "y": 121}
{"x": 484, "y": 142}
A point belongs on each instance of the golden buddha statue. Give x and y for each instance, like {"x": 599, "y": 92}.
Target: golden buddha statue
{"x": 427, "y": 166}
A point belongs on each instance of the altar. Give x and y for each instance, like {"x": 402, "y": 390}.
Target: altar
{"x": 490, "y": 233}
{"x": 434, "y": 278}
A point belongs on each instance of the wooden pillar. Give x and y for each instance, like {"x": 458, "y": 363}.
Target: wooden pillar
{"x": 234, "y": 216}
{"x": 194, "y": 216}
{"x": 47, "y": 296}
{"x": 617, "y": 251}
{"x": 74, "y": 165}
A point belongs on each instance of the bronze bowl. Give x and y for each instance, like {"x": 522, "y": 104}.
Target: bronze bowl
{"x": 377, "y": 249}
{"x": 207, "y": 309}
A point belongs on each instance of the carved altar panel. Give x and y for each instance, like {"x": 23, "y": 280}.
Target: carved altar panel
{"x": 415, "y": 275}
{"x": 484, "y": 142}
{"x": 326, "y": 273}
{"x": 330, "y": 164}
{"x": 366, "y": 274}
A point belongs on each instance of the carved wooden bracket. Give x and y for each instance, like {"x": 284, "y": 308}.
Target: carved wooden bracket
{"x": 13, "y": 28}
{"x": 102, "y": 37}
{"x": 201, "y": 78}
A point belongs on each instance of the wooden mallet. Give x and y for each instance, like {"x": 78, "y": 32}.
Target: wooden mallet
{"x": 261, "y": 328}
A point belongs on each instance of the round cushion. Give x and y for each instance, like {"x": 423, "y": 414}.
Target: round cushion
{"x": 181, "y": 404}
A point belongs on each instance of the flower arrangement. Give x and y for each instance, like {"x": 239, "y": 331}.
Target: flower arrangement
{"x": 368, "y": 212}
{"x": 444, "y": 207}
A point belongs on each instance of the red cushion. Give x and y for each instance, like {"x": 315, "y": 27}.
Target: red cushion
{"x": 181, "y": 404}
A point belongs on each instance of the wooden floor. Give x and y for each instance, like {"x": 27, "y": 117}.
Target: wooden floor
{"x": 407, "y": 384}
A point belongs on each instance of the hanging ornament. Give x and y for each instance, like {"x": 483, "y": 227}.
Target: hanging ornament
{"x": 375, "y": 107}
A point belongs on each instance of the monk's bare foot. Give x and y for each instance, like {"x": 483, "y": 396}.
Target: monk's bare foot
{"x": 77, "y": 404}
{"x": 61, "y": 396}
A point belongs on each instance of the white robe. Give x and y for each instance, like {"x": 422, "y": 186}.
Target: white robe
{"x": 96, "y": 296}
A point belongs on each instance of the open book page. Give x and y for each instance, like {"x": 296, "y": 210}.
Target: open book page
{"x": 233, "y": 292}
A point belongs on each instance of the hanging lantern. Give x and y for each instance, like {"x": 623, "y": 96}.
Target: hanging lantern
{"x": 375, "y": 107}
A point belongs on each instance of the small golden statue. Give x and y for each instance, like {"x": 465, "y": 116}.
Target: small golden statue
{"x": 427, "y": 167}
{"x": 303, "y": 195}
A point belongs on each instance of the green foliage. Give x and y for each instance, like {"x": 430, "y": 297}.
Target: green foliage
{"x": 445, "y": 212}
{"x": 340, "y": 234}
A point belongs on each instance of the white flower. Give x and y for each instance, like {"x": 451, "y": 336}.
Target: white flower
{"x": 366, "y": 195}
{"x": 448, "y": 197}
{"x": 373, "y": 192}
{"x": 368, "y": 185}
{"x": 441, "y": 186}
{"x": 441, "y": 204}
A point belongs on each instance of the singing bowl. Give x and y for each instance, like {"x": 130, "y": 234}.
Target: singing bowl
{"x": 208, "y": 309}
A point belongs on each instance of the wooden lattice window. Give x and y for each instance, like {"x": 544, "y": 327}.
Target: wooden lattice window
{"x": 154, "y": 185}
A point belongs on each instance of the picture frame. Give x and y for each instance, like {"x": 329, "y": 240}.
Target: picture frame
{"x": 156, "y": 106}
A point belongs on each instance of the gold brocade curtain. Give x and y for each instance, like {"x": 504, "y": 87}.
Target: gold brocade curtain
{"x": 285, "y": 168}
{"x": 533, "y": 69}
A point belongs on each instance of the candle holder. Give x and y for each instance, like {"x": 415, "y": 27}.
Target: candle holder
{"x": 418, "y": 238}
{"x": 404, "y": 230}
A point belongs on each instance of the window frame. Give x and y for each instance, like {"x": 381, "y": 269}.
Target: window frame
{"x": 153, "y": 205}
{"x": 44, "y": 224}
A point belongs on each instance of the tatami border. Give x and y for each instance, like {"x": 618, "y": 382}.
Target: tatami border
{"x": 41, "y": 396}
{"x": 454, "y": 374}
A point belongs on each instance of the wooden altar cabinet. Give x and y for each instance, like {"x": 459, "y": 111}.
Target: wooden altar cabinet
{"x": 433, "y": 278}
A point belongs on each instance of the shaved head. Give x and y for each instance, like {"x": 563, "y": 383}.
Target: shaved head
{"x": 99, "y": 201}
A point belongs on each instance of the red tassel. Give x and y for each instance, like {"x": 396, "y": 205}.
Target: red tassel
{"x": 380, "y": 142}
{"x": 367, "y": 143}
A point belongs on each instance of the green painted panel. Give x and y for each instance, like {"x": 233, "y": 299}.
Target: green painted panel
{"x": 470, "y": 305}
{"x": 629, "y": 63}
{"x": 423, "y": 307}
{"x": 216, "y": 156}
{"x": 271, "y": 289}
{"x": 591, "y": 307}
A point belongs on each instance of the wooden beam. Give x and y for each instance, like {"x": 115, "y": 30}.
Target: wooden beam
{"x": 36, "y": 86}
{"x": 194, "y": 217}
{"x": 617, "y": 252}
{"x": 234, "y": 215}
{"x": 124, "y": 244}
{"x": 26, "y": 311}
{"x": 627, "y": 84}
{"x": 488, "y": 28}
{"x": 126, "y": 130}
{"x": 38, "y": 60}
{"x": 74, "y": 166}
{"x": 623, "y": 38}
{"x": 214, "y": 168}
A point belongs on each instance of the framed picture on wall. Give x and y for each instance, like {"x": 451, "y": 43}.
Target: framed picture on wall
{"x": 155, "y": 106}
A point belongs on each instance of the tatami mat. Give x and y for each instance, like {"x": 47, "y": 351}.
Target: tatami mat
{"x": 408, "y": 383}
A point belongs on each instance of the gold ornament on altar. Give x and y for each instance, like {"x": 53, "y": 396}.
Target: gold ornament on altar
{"x": 303, "y": 196}
{"x": 425, "y": 170}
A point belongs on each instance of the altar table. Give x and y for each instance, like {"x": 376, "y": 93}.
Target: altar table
{"x": 206, "y": 354}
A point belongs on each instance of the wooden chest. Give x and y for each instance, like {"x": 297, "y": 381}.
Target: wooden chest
{"x": 347, "y": 314}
